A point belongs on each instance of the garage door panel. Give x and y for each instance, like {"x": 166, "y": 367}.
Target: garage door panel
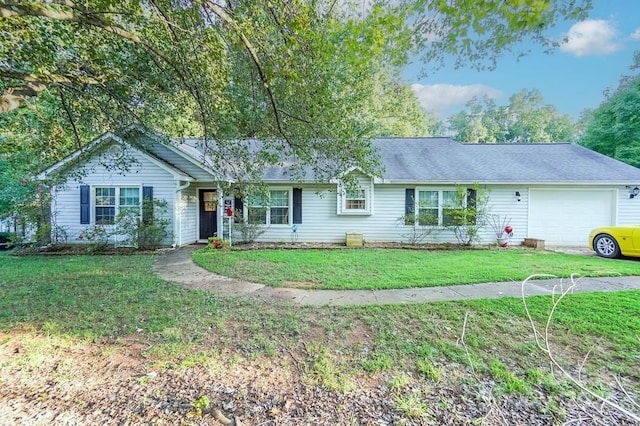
{"x": 567, "y": 216}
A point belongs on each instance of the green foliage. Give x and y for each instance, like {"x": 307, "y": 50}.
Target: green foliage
{"x": 427, "y": 368}
{"x": 478, "y": 36}
{"x": 401, "y": 381}
{"x": 469, "y": 214}
{"x": 411, "y": 406}
{"x": 201, "y": 406}
{"x": 25, "y": 202}
{"x": 509, "y": 382}
{"x": 526, "y": 119}
{"x": 96, "y": 236}
{"x": 378, "y": 361}
{"x": 249, "y": 231}
{"x": 311, "y": 80}
{"x": 7, "y": 240}
{"x": 396, "y": 112}
{"x": 614, "y": 127}
{"x": 322, "y": 370}
{"x": 422, "y": 224}
{"x": 147, "y": 232}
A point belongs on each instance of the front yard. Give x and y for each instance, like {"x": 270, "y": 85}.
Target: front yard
{"x": 100, "y": 339}
{"x": 375, "y": 269}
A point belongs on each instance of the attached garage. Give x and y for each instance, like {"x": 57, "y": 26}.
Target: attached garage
{"x": 565, "y": 216}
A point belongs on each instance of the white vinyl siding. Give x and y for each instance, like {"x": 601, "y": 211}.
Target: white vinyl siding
{"x": 144, "y": 172}
{"x": 628, "y": 208}
{"x": 320, "y": 223}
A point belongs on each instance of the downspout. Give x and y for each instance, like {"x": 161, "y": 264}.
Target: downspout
{"x": 177, "y": 227}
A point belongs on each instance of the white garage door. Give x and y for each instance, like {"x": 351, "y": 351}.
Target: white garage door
{"x": 565, "y": 217}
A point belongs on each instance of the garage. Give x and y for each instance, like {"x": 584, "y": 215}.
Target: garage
{"x": 565, "y": 217}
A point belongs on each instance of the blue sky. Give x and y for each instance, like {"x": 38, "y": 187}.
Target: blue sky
{"x": 572, "y": 78}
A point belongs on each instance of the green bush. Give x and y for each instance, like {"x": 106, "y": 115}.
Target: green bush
{"x": 145, "y": 233}
{"x": 7, "y": 240}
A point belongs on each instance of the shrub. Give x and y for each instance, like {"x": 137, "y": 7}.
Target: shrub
{"x": 145, "y": 233}
{"x": 249, "y": 232}
{"x": 97, "y": 236}
{"x": 470, "y": 215}
{"x": 6, "y": 240}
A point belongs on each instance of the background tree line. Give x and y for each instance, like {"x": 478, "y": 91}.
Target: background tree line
{"x": 613, "y": 128}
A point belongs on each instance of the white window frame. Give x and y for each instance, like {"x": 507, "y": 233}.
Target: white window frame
{"x": 117, "y": 206}
{"x": 355, "y": 197}
{"x": 366, "y": 196}
{"x": 247, "y": 205}
{"x": 441, "y": 204}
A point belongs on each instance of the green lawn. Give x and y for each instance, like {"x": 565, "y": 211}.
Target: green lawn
{"x": 396, "y": 268}
{"x": 105, "y": 299}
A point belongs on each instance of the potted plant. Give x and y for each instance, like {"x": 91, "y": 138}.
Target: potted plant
{"x": 217, "y": 243}
{"x": 502, "y": 229}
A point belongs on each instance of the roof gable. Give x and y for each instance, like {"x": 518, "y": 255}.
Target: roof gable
{"x": 94, "y": 148}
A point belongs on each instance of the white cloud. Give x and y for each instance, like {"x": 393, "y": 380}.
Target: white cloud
{"x": 591, "y": 37}
{"x": 635, "y": 35}
{"x": 440, "y": 99}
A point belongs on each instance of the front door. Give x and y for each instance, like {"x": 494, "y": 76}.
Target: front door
{"x": 208, "y": 213}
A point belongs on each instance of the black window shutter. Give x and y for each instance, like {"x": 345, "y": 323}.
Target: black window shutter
{"x": 147, "y": 204}
{"x": 237, "y": 211}
{"x": 471, "y": 202}
{"x": 85, "y": 204}
{"x": 297, "y": 205}
{"x": 409, "y": 205}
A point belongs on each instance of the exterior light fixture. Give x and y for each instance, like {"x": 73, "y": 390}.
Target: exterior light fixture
{"x": 633, "y": 193}
{"x": 518, "y": 197}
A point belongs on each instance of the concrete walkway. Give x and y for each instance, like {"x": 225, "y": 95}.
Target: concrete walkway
{"x": 177, "y": 266}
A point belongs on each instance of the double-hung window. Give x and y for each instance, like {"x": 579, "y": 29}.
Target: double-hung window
{"x": 437, "y": 207}
{"x": 111, "y": 201}
{"x": 355, "y": 200}
{"x": 279, "y": 207}
{"x": 274, "y": 209}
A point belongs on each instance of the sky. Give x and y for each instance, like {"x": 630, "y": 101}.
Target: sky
{"x": 573, "y": 78}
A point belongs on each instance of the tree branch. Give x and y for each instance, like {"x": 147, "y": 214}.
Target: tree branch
{"x": 84, "y": 17}
{"x": 222, "y": 14}
{"x": 67, "y": 110}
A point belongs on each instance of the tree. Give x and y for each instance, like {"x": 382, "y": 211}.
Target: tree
{"x": 296, "y": 74}
{"x": 396, "y": 112}
{"x": 525, "y": 120}
{"x": 614, "y": 127}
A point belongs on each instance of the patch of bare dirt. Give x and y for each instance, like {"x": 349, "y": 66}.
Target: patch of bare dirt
{"x": 45, "y": 381}
{"x": 299, "y": 284}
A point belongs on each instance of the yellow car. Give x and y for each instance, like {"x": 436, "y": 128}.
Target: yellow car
{"x": 613, "y": 241}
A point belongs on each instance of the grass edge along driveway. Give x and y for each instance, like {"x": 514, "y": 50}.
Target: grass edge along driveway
{"x": 378, "y": 269}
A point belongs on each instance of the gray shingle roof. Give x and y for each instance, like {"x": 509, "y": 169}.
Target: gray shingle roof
{"x": 444, "y": 160}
